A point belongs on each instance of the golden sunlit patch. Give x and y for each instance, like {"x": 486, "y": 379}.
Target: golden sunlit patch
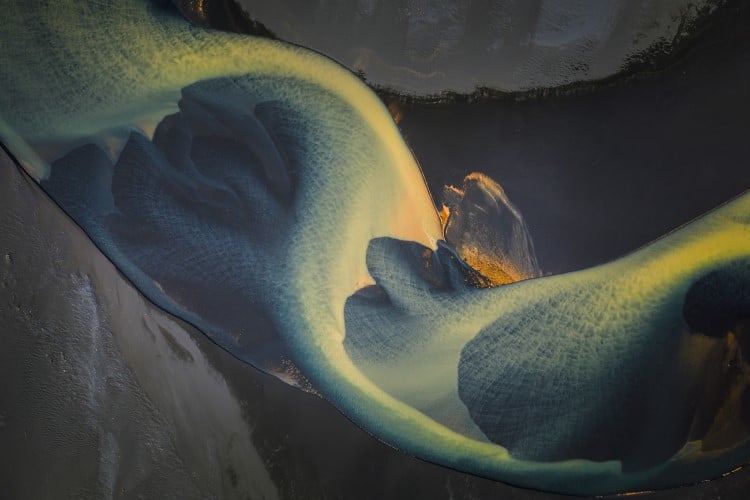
{"x": 444, "y": 213}
{"x": 497, "y": 272}
{"x": 635, "y": 493}
{"x": 479, "y": 248}
{"x": 733, "y": 471}
{"x": 395, "y": 110}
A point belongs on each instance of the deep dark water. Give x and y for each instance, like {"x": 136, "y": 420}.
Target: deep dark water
{"x": 600, "y": 174}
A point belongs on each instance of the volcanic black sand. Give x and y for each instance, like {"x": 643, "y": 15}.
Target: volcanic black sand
{"x": 105, "y": 396}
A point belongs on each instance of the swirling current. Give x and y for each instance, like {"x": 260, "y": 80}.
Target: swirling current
{"x": 263, "y": 193}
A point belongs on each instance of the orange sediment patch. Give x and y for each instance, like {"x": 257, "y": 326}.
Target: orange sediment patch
{"x": 497, "y": 272}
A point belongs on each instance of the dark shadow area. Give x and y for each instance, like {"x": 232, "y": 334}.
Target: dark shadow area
{"x": 601, "y": 174}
